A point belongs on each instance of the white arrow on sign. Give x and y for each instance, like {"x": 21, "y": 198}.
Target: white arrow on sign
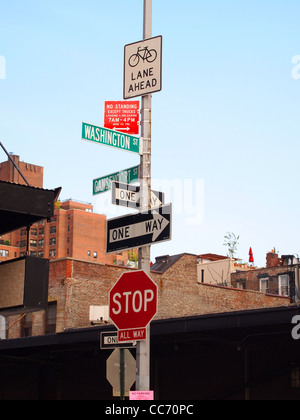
{"x": 155, "y": 227}
{"x": 121, "y": 128}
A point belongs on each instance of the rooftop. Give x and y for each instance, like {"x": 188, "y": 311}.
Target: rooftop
{"x": 212, "y": 257}
{"x": 164, "y": 262}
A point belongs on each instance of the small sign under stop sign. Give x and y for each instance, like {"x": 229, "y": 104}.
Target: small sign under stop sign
{"x": 132, "y": 305}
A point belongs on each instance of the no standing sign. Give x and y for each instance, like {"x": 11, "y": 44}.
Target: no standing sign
{"x": 122, "y": 116}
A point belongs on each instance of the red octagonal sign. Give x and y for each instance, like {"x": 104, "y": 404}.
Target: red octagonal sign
{"x": 132, "y": 305}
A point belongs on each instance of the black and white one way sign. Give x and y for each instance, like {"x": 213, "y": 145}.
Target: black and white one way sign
{"x": 140, "y": 229}
{"x": 129, "y": 196}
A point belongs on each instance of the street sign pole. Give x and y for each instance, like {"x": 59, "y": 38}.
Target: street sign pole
{"x": 143, "y": 347}
{"x": 122, "y": 374}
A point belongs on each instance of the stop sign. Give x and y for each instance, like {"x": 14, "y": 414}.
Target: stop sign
{"x": 133, "y": 301}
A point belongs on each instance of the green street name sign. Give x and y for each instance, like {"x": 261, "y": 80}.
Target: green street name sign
{"x": 110, "y": 138}
{"x": 103, "y": 184}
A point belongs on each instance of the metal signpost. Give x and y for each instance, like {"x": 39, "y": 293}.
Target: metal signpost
{"x": 143, "y": 348}
{"x": 142, "y": 77}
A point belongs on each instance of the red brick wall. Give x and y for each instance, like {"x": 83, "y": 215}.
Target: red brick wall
{"x": 77, "y": 285}
{"x": 181, "y": 295}
{"x": 13, "y": 252}
{"x": 89, "y": 234}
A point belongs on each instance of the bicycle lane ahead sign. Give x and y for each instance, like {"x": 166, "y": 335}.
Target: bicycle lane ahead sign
{"x": 143, "y": 67}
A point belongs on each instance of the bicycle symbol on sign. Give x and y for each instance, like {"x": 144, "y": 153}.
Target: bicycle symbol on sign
{"x": 148, "y": 55}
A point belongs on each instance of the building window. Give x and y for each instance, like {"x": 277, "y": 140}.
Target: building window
{"x": 52, "y": 230}
{"x": 41, "y": 254}
{"x": 22, "y": 244}
{"x": 4, "y": 326}
{"x": 264, "y": 285}
{"x": 33, "y": 232}
{"x": 241, "y": 285}
{"x": 283, "y": 285}
{"x": 23, "y": 232}
{"x": 41, "y": 231}
{"x": 52, "y": 253}
{"x": 95, "y": 255}
{"x": 41, "y": 242}
{"x": 52, "y": 241}
{"x": 50, "y": 327}
{"x": 202, "y": 276}
{"x": 89, "y": 253}
{"x": 4, "y": 253}
{"x": 33, "y": 243}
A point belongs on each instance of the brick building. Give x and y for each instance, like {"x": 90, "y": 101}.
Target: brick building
{"x": 76, "y": 285}
{"x": 33, "y": 173}
{"x": 8, "y": 252}
{"x": 75, "y": 231}
{"x": 279, "y": 277}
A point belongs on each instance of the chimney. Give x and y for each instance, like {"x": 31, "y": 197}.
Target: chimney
{"x": 163, "y": 259}
{"x": 273, "y": 260}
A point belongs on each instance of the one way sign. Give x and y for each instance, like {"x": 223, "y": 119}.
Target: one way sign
{"x": 129, "y": 196}
{"x": 140, "y": 229}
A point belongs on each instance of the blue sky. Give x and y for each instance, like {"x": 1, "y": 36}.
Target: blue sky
{"x": 225, "y": 127}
